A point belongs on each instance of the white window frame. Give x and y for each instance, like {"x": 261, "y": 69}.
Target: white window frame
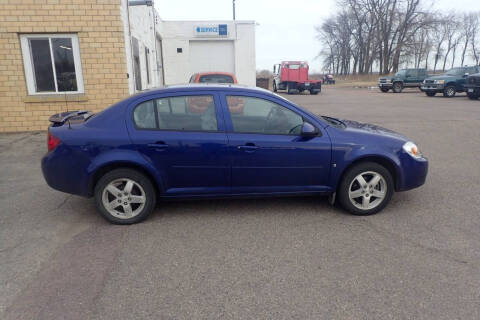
{"x": 28, "y": 62}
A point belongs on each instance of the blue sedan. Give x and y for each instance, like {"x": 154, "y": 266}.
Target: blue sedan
{"x": 209, "y": 141}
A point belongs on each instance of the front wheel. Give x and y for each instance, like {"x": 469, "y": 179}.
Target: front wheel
{"x": 397, "y": 87}
{"x": 365, "y": 189}
{"x": 125, "y": 196}
{"x": 449, "y": 92}
{"x": 472, "y": 96}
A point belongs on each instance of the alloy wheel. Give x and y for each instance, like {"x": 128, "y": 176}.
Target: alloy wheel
{"x": 123, "y": 198}
{"x": 367, "y": 190}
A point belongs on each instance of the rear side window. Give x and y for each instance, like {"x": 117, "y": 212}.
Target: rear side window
{"x": 216, "y": 78}
{"x": 144, "y": 115}
{"x": 255, "y": 115}
{"x": 181, "y": 113}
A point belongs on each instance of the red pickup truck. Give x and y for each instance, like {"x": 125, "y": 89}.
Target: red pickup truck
{"x": 293, "y": 77}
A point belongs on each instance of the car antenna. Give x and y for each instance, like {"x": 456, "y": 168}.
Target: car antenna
{"x": 66, "y": 106}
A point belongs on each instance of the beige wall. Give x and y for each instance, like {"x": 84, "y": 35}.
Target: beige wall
{"x": 102, "y": 50}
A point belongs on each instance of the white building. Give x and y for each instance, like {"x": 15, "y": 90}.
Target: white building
{"x": 169, "y": 52}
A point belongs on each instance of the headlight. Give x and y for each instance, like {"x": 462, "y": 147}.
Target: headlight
{"x": 412, "y": 149}
{"x": 439, "y": 81}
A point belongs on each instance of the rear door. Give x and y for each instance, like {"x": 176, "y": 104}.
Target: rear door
{"x": 183, "y": 135}
{"x": 268, "y": 155}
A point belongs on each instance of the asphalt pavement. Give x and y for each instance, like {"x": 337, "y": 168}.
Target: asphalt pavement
{"x": 281, "y": 258}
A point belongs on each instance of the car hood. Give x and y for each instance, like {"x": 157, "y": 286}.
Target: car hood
{"x": 372, "y": 129}
{"x": 441, "y": 77}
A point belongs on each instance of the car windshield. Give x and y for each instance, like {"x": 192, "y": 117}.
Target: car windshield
{"x": 455, "y": 72}
{"x": 294, "y": 66}
{"x": 216, "y": 78}
{"x": 401, "y": 73}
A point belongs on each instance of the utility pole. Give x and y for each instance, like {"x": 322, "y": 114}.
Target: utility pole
{"x": 233, "y": 9}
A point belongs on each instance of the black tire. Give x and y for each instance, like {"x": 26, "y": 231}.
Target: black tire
{"x": 430, "y": 93}
{"x": 290, "y": 90}
{"x": 314, "y": 92}
{"x": 137, "y": 177}
{"x": 274, "y": 87}
{"x": 384, "y": 89}
{"x": 449, "y": 91}
{"x": 348, "y": 179}
{"x": 472, "y": 96}
{"x": 397, "y": 87}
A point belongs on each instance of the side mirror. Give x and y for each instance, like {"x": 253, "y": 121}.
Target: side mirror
{"x": 308, "y": 130}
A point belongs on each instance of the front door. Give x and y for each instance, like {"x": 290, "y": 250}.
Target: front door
{"x": 183, "y": 136}
{"x": 268, "y": 154}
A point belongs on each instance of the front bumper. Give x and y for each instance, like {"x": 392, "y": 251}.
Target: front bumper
{"x": 413, "y": 172}
{"x": 385, "y": 85}
{"x": 472, "y": 88}
{"x": 432, "y": 87}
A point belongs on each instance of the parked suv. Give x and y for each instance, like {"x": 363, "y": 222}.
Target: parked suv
{"x": 449, "y": 83}
{"x": 473, "y": 86}
{"x": 405, "y": 78}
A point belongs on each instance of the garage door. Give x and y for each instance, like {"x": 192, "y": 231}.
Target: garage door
{"x": 208, "y": 56}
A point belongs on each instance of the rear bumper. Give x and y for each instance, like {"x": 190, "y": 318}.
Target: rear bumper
{"x": 312, "y": 86}
{"x": 63, "y": 172}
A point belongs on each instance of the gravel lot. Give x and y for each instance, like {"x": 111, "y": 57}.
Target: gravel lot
{"x": 291, "y": 258}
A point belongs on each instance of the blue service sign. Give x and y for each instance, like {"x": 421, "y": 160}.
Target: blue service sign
{"x": 218, "y": 30}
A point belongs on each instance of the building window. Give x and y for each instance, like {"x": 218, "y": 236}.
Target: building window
{"x": 52, "y": 63}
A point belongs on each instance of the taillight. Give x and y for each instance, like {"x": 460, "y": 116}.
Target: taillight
{"x": 52, "y": 141}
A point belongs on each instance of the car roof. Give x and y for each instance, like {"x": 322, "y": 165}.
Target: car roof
{"x": 215, "y": 73}
{"x": 192, "y": 87}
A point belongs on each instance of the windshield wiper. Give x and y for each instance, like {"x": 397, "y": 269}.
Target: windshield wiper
{"x": 334, "y": 121}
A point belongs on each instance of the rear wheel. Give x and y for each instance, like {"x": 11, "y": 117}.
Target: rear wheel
{"x": 125, "y": 196}
{"x": 397, "y": 87}
{"x": 384, "y": 89}
{"x": 430, "y": 93}
{"x": 449, "y": 92}
{"x": 290, "y": 89}
{"x": 365, "y": 189}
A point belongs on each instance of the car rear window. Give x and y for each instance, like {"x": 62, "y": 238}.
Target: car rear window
{"x": 216, "y": 78}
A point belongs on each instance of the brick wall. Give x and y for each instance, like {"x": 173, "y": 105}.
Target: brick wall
{"x": 102, "y": 50}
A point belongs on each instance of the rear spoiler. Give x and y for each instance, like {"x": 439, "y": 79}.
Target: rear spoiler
{"x": 60, "y": 118}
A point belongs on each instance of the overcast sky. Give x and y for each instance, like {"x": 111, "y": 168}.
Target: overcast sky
{"x": 286, "y": 28}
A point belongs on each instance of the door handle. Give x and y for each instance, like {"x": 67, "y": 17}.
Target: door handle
{"x": 158, "y": 145}
{"x": 248, "y": 147}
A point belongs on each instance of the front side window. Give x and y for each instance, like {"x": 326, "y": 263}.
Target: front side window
{"x": 52, "y": 63}
{"x": 256, "y": 115}
{"x": 180, "y": 113}
{"x": 412, "y": 73}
